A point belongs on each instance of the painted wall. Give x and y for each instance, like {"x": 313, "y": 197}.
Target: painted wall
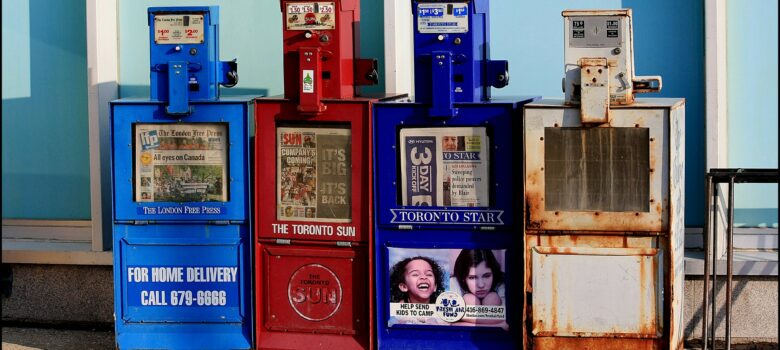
{"x": 44, "y": 65}
{"x": 752, "y": 105}
{"x": 668, "y": 41}
{"x": 45, "y": 123}
{"x": 250, "y": 31}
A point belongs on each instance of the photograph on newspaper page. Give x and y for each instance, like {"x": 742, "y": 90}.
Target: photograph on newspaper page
{"x": 181, "y": 162}
{"x": 447, "y": 287}
{"x": 314, "y": 174}
{"x": 445, "y": 167}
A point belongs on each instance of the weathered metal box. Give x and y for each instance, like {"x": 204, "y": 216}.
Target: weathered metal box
{"x": 604, "y": 226}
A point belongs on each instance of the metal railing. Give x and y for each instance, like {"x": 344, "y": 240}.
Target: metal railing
{"x": 712, "y": 179}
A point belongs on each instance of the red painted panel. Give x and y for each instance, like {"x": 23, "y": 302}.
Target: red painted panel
{"x": 312, "y": 297}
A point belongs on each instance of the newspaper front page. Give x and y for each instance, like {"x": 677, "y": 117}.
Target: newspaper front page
{"x": 181, "y": 162}
{"x": 314, "y": 174}
{"x": 445, "y": 167}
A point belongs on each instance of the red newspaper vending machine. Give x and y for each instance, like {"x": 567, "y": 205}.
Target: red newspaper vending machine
{"x": 313, "y": 187}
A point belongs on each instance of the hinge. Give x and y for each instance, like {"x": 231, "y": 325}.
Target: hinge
{"x": 343, "y": 244}
{"x": 283, "y": 241}
{"x": 141, "y": 222}
{"x": 487, "y": 228}
{"x": 219, "y": 222}
{"x": 405, "y": 227}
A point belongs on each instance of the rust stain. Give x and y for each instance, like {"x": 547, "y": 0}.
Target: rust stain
{"x": 588, "y": 250}
{"x": 642, "y": 287}
{"x": 668, "y": 282}
{"x": 568, "y": 343}
{"x": 629, "y": 99}
{"x": 528, "y": 287}
{"x": 559, "y": 250}
{"x": 533, "y": 177}
{"x": 600, "y": 240}
{"x": 554, "y": 303}
{"x": 611, "y": 334}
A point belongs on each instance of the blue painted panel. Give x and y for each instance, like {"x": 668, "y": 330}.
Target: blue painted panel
{"x": 127, "y": 113}
{"x": 752, "y": 105}
{"x": 45, "y": 137}
{"x": 183, "y": 326}
{"x": 184, "y": 283}
{"x": 669, "y": 41}
{"x": 170, "y": 335}
{"x": 195, "y": 248}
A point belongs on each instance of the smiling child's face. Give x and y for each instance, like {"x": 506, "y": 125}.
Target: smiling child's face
{"x": 419, "y": 281}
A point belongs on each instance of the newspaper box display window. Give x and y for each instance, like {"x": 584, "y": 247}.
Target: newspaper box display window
{"x": 445, "y": 167}
{"x": 313, "y": 174}
{"x": 181, "y": 163}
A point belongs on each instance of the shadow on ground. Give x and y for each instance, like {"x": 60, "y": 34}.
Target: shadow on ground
{"x": 17, "y": 338}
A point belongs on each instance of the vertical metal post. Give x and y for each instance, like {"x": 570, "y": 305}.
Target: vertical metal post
{"x": 729, "y": 261}
{"x": 707, "y": 252}
{"x": 714, "y": 265}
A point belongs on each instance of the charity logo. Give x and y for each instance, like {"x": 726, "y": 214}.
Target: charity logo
{"x": 308, "y": 81}
{"x": 450, "y": 307}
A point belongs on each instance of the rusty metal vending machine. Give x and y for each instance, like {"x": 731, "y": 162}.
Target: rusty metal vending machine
{"x": 180, "y": 164}
{"x": 313, "y": 189}
{"x": 448, "y": 262}
{"x": 604, "y": 196}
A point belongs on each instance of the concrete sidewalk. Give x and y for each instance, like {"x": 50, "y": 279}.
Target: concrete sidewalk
{"x": 17, "y": 338}
{"x": 20, "y": 338}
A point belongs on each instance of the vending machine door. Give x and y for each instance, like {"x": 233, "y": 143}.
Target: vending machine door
{"x": 606, "y": 177}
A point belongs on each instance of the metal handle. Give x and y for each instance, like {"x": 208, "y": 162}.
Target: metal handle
{"x": 651, "y": 83}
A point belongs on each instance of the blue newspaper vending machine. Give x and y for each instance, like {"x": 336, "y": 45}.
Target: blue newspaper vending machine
{"x": 447, "y": 182}
{"x": 180, "y": 162}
